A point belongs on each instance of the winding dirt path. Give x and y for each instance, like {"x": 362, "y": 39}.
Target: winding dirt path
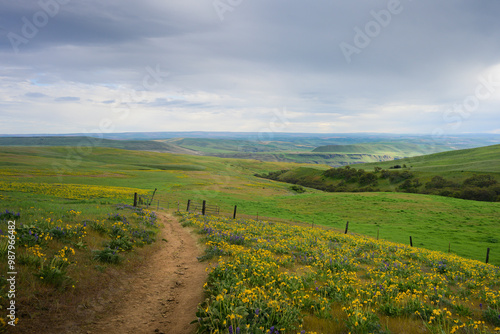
{"x": 162, "y": 296}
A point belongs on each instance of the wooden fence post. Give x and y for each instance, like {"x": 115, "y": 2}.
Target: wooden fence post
{"x": 151, "y": 200}
{"x": 346, "y": 227}
{"x": 487, "y": 255}
{"x": 135, "y": 199}
{"x": 234, "y": 213}
{"x": 204, "y": 207}
{"x": 189, "y": 203}
{"x": 411, "y": 242}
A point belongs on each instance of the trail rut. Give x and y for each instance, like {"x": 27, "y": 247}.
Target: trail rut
{"x": 162, "y": 296}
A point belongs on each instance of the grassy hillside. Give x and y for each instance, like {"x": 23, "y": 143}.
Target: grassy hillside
{"x": 85, "y": 142}
{"x": 396, "y": 149}
{"x": 298, "y": 150}
{"x": 330, "y": 149}
{"x": 467, "y": 174}
{"x": 77, "y": 232}
{"x": 229, "y": 182}
{"x": 208, "y": 145}
{"x": 312, "y": 280}
{"x": 482, "y": 159}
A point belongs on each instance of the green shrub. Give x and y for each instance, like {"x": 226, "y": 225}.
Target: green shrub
{"x": 107, "y": 255}
{"x": 298, "y": 189}
{"x": 54, "y": 272}
{"x": 119, "y": 244}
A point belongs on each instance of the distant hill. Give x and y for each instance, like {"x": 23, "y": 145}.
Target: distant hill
{"x": 467, "y": 174}
{"x": 396, "y": 149}
{"x": 481, "y": 160}
{"x": 329, "y": 149}
{"x": 76, "y": 141}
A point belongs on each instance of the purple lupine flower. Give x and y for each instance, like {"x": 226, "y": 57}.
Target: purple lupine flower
{"x": 231, "y": 329}
{"x": 237, "y": 330}
{"x": 257, "y": 311}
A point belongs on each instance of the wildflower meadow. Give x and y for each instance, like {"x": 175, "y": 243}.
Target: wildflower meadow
{"x": 56, "y": 251}
{"x": 267, "y": 277}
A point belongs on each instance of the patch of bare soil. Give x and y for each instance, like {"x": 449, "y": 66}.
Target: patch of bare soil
{"x": 160, "y": 297}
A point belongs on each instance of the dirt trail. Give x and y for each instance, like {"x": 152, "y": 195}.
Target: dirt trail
{"x": 163, "y": 295}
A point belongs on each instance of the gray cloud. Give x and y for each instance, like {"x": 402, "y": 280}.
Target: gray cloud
{"x": 67, "y": 99}
{"x": 262, "y": 55}
{"x": 35, "y": 95}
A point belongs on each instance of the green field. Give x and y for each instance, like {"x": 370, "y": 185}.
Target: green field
{"x": 481, "y": 159}
{"x": 396, "y": 149}
{"x": 329, "y": 149}
{"x": 433, "y": 222}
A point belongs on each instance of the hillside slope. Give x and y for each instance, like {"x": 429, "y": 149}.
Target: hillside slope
{"x": 42, "y": 177}
{"x": 84, "y": 142}
{"x": 395, "y": 149}
{"x": 481, "y": 160}
{"x": 466, "y": 174}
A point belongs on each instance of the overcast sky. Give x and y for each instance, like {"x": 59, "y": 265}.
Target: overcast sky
{"x": 249, "y": 65}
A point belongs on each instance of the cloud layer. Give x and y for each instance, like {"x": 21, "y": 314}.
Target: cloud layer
{"x": 378, "y": 66}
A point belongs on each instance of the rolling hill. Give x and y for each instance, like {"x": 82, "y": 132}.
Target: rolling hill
{"x": 468, "y": 174}
{"x": 42, "y": 177}
{"x": 84, "y": 142}
{"x": 396, "y": 149}
{"x": 330, "y": 149}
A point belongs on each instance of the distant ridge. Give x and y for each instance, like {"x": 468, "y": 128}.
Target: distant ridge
{"x": 396, "y": 149}
{"x": 134, "y": 145}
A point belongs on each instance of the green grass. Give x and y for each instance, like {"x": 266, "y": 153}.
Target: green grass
{"x": 305, "y": 151}
{"x": 482, "y": 159}
{"x": 432, "y": 221}
{"x": 454, "y": 166}
{"x": 85, "y": 142}
{"x": 395, "y": 149}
